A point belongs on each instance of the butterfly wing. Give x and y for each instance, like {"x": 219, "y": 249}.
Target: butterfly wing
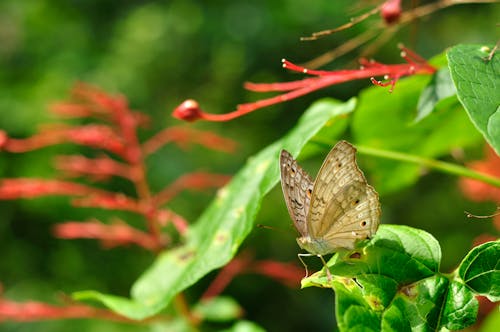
{"x": 344, "y": 208}
{"x": 297, "y": 188}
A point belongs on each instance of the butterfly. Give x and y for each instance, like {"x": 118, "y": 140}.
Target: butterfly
{"x": 336, "y": 210}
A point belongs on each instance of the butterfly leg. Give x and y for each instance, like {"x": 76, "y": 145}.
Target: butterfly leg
{"x": 328, "y": 274}
{"x": 303, "y": 263}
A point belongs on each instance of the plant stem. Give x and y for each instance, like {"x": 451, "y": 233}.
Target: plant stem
{"x": 431, "y": 163}
{"x": 182, "y": 308}
{"x": 379, "y": 28}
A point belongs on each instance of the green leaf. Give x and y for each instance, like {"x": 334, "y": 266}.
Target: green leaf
{"x": 461, "y": 307}
{"x": 392, "y": 283}
{"x": 480, "y": 270}
{"x": 397, "y": 255}
{"x": 439, "y": 90}
{"x": 215, "y": 238}
{"x": 351, "y": 310}
{"x": 421, "y": 304}
{"x": 245, "y": 326}
{"x": 386, "y": 121}
{"x": 219, "y": 309}
{"x": 478, "y": 84}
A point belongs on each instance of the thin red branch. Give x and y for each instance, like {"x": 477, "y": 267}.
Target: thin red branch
{"x": 285, "y": 273}
{"x": 281, "y": 86}
{"x": 183, "y": 136}
{"x": 99, "y": 100}
{"x": 126, "y": 125}
{"x": 35, "y": 311}
{"x": 165, "y": 216}
{"x": 194, "y": 181}
{"x": 100, "y": 168}
{"x": 191, "y": 111}
{"x": 30, "y": 188}
{"x": 117, "y": 234}
{"x": 111, "y": 201}
{"x": 96, "y": 136}
{"x": 77, "y": 110}
{"x": 226, "y": 275}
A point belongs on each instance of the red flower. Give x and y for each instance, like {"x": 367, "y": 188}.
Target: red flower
{"x": 189, "y": 110}
{"x": 391, "y": 11}
{"x": 480, "y": 191}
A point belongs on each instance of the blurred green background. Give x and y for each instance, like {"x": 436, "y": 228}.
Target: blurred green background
{"x": 159, "y": 53}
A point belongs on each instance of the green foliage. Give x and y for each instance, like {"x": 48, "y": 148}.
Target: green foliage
{"x": 218, "y": 309}
{"x": 439, "y": 90}
{"x": 244, "y": 326}
{"x": 478, "y": 82}
{"x": 393, "y": 283}
{"x": 216, "y": 236}
{"x": 480, "y": 270}
{"x": 433, "y": 136}
{"x": 145, "y": 50}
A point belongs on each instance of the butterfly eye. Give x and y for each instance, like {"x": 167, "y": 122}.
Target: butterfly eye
{"x": 355, "y": 202}
{"x": 363, "y": 224}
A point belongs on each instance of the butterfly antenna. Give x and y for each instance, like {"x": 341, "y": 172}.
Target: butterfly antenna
{"x": 470, "y": 215}
{"x": 273, "y": 228}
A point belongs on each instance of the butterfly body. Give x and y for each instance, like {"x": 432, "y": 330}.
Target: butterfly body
{"x": 337, "y": 209}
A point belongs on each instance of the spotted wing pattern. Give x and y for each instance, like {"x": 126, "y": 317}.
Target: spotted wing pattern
{"x": 343, "y": 207}
{"x": 297, "y": 188}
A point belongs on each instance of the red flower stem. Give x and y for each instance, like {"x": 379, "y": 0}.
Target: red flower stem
{"x": 325, "y": 79}
{"x": 128, "y": 125}
{"x": 144, "y": 194}
{"x": 224, "y": 277}
{"x": 36, "y": 311}
{"x": 182, "y": 307}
